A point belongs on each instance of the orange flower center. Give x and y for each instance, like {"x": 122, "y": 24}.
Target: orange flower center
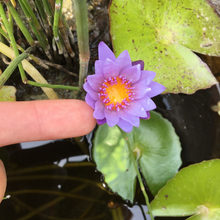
{"x": 116, "y": 93}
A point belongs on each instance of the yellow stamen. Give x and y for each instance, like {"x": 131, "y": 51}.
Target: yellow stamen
{"x": 117, "y": 92}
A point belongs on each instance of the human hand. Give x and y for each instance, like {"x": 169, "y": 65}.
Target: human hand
{"x": 42, "y": 120}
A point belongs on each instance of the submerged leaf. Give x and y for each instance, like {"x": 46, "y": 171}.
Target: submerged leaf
{"x": 193, "y": 191}
{"x": 162, "y": 33}
{"x": 155, "y": 145}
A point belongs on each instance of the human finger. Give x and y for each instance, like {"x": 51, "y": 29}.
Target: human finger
{"x": 3, "y": 182}
{"x": 44, "y": 120}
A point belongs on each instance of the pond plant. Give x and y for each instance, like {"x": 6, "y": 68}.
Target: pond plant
{"x": 154, "y": 44}
{"x": 119, "y": 91}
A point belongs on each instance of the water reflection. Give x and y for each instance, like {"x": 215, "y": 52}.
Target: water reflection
{"x": 46, "y": 183}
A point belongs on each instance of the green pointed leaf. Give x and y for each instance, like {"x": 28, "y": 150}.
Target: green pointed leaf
{"x": 193, "y": 191}
{"x": 7, "y": 93}
{"x": 156, "y": 146}
{"x": 162, "y": 33}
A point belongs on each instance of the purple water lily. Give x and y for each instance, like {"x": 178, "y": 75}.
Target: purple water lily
{"x": 120, "y": 91}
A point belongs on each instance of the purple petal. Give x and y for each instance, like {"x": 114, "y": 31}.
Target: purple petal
{"x": 110, "y": 69}
{"x": 95, "y": 81}
{"x": 99, "y": 67}
{"x": 148, "y": 116}
{"x": 141, "y": 62}
{"x": 90, "y": 90}
{"x": 124, "y": 60}
{"x": 124, "y": 125}
{"x": 136, "y": 109}
{"x": 105, "y": 52}
{"x": 90, "y": 101}
{"x": 112, "y": 117}
{"x": 99, "y": 110}
{"x": 146, "y": 77}
{"x": 133, "y": 73}
{"x": 156, "y": 89}
{"x": 147, "y": 103}
{"x": 101, "y": 122}
{"x": 134, "y": 120}
{"x": 140, "y": 90}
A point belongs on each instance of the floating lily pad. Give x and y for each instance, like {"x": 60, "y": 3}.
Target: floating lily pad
{"x": 7, "y": 93}
{"x": 193, "y": 191}
{"x": 162, "y": 33}
{"x": 112, "y": 158}
{"x": 156, "y": 146}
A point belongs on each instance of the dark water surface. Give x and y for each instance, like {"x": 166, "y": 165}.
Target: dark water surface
{"x": 58, "y": 181}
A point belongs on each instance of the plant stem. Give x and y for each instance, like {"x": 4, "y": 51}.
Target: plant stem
{"x": 56, "y": 193}
{"x": 19, "y": 22}
{"x": 36, "y": 27}
{"x": 30, "y": 20}
{"x": 30, "y": 69}
{"x": 10, "y": 19}
{"x": 12, "y": 39}
{"x": 39, "y": 210}
{"x": 135, "y": 163}
{"x": 69, "y": 31}
{"x": 64, "y": 34}
{"x": 36, "y": 59}
{"x": 35, "y": 22}
{"x": 48, "y": 11}
{"x": 60, "y": 31}
{"x": 43, "y": 16}
{"x": 81, "y": 16}
{"x": 58, "y": 9}
{"x": 2, "y": 37}
{"x": 52, "y": 86}
{"x": 57, "y": 66}
{"x": 10, "y": 69}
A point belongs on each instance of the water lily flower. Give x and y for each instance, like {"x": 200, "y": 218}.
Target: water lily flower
{"x": 120, "y": 91}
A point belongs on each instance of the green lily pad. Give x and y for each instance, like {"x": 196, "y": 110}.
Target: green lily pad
{"x": 112, "y": 158}
{"x": 155, "y": 145}
{"x": 7, "y": 93}
{"x": 162, "y": 33}
{"x": 193, "y": 191}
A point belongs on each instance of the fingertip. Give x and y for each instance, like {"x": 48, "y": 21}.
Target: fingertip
{"x": 3, "y": 181}
{"x": 44, "y": 120}
{"x": 89, "y": 120}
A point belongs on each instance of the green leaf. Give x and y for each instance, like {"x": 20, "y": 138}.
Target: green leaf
{"x": 111, "y": 155}
{"x": 193, "y": 191}
{"x": 160, "y": 148}
{"x": 7, "y": 93}
{"x": 155, "y": 145}
{"x": 162, "y": 33}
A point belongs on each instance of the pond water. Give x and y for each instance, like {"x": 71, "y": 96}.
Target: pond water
{"x": 58, "y": 180}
